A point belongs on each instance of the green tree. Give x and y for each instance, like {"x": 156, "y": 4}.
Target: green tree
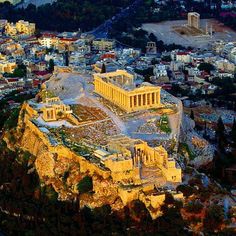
{"x": 220, "y": 129}
{"x": 152, "y": 38}
{"x": 11, "y": 122}
{"x": 220, "y": 133}
{"x": 192, "y": 115}
{"x": 233, "y": 131}
{"x": 169, "y": 199}
{"x": 103, "y": 70}
{"x": 51, "y": 65}
{"x": 166, "y": 58}
{"x": 49, "y": 192}
{"x": 20, "y": 71}
{"x": 194, "y": 207}
{"x": 85, "y": 185}
{"x": 186, "y": 190}
{"x": 206, "y": 67}
{"x": 214, "y": 217}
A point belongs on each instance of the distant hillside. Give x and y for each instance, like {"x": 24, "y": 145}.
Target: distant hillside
{"x": 11, "y": 1}
{"x": 37, "y": 3}
{"x": 65, "y": 15}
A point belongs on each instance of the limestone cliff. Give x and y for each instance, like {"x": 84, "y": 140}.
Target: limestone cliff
{"x": 53, "y": 163}
{"x": 203, "y": 151}
{"x": 60, "y": 167}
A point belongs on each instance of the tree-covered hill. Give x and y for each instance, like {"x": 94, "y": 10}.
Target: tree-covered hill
{"x": 65, "y": 15}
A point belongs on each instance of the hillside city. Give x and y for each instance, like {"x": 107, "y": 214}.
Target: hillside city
{"x": 118, "y": 118}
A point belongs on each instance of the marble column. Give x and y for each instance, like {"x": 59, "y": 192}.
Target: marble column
{"x": 159, "y": 98}
{"x": 155, "y": 98}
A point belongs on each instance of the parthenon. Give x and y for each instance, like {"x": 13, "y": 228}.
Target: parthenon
{"x": 119, "y": 88}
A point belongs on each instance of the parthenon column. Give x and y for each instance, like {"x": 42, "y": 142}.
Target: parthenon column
{"x": 159, "y": 97}
{"x": 106, "y": 90}
{"x": 117, "y": 96}
{"x": 145, "y": 100}
{"x": 155, "y": 98}
{"x": 141, "y": 100}
{"x": 109, "y": 92}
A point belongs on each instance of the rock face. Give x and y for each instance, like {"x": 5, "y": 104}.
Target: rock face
{"x": 45, "y": 165}
{"x": 202, "y": 150}
{"x": 104, "y": 193}
{"x": 61, "y": 168}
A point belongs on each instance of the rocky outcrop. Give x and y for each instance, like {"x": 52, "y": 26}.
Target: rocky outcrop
{"x": 45, "y": 165}
{"x": 60, "y": 167}
{"x": 63, "y": 169}
{"x": 202, "y": 150}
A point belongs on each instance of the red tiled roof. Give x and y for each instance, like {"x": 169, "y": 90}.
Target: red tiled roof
{"x": 182, "y": 53}
{"x": 12, "y": 79}
{"x": 49, "y": 35}
{"x": 108, "y": 55}
{"x": 69, "y": 39}
{"x": 166, "y": 86}
{"x": 41, "y": 73}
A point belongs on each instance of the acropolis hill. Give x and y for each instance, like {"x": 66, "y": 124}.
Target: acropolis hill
{"x": 110, "y": 127}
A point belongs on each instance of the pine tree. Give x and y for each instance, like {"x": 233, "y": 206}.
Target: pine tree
{"x": 220, "y": 126}
{"x": 192, "y": 115}
{"x": 205, "y": 129}
{"x": 103, "y": 70}
{"x": 233, "y": 131}
{"x": 51, "y": 65}
{"x": 220, "y": 135}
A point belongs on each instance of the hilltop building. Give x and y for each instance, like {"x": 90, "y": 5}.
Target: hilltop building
{"x": 21, "y": 27}
{"x": 160, "y": 73}
{"x": 103, "y": 44}
{"x": 194, "y": 20}
{"x": 49, "y": 40}
{"x": 7, "y": 66}
{"x": 119, "y": 88}
{"x": 55, "y": 109}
